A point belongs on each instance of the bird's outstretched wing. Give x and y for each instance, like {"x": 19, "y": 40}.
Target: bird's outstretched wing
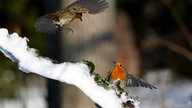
{"x": 45, "y": 25}
{"x": 88, "y": 6}
{"x": 133, "y": 81}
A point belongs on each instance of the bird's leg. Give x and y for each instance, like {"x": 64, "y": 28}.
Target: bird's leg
{"x": 67, "y": 29}
{"x": 114, "y": 83}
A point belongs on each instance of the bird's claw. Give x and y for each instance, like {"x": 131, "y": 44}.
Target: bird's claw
{"x": 67, "y": 29}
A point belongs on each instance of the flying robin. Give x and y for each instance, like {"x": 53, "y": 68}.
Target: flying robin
{"x": 119, "y": 73}
{"x": 59, "y": 20}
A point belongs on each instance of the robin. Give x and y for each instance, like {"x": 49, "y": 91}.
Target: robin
{"x": 59, "y": 20}
{"x": 119, "y": 73}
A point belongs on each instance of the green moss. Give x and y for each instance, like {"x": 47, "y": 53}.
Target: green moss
{"x": 98, "y": 79}
{"x": 91, "y": 66}
{"x": 102, "y": 82}
{"x": 108, "y": 85}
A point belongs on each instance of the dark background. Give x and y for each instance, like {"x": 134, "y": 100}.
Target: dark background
{"x": 163, "y": 37}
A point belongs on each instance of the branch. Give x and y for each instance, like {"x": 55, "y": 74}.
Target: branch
{"x": 154, "y": 42}
{"x": 79, "y": 74}
{"x": 182, "y": 26}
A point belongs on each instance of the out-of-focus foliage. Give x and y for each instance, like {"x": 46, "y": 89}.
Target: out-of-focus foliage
{"x": 8, "y": 84}
{"x": 18, "y": 16}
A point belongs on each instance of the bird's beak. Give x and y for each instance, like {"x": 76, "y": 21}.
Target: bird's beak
{"x": 114, "y": 62}
{"x": 81, "y": 19}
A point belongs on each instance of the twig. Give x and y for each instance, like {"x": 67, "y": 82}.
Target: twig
{"x": 170, "y": 45}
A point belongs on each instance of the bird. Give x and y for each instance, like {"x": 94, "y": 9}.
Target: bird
{"x": 119, "y": 73}
{"x": 58, "y": 21}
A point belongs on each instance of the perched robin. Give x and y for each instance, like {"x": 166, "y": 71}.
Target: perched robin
{"x": 59, "y": 20}
{"x": 119, "y": 73}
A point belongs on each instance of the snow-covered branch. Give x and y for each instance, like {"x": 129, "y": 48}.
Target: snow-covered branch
{"x": 15, "y": 47}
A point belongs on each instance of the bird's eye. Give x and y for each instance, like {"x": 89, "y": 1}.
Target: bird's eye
{"x": 121, "y": 65}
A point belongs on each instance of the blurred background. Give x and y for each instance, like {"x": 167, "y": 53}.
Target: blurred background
{"x": 153, "y": 38}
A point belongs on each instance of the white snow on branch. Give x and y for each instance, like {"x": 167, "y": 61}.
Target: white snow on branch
{"x": 15, "y": 47}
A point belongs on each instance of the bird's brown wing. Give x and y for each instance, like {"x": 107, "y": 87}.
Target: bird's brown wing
{"x": 88, "y": 6}
{"x": 46, "y": 25}
{"x": 133, "y": 81}
{"x": 108, "y": 76}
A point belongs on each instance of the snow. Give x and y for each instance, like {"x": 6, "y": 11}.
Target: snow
{"x": 135, "y": 100}
{"x": 31, "y": 96}
{"x": 171, "y": 93}
{"x": 177, "y": 94}
{"x": 15, "y": 47}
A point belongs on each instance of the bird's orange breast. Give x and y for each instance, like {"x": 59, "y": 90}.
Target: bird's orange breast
{"x": 118, "y": 74}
